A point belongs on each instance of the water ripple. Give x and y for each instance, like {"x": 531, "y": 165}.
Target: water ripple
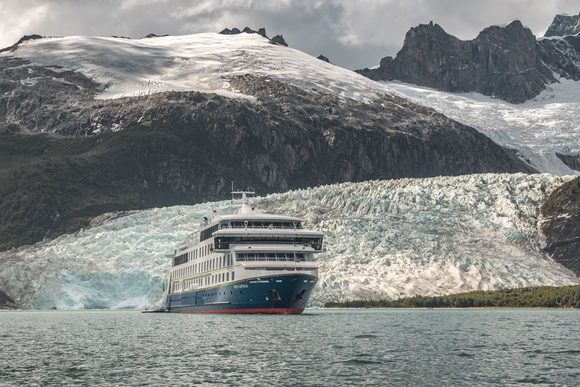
{"x": 328, "y": 348}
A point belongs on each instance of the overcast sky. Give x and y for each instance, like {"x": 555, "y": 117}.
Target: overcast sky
{"x": 352, "y": 33}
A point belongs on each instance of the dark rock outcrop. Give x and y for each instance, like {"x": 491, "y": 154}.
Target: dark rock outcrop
{"x": 278, "y": 39}
{"x": 261, "y": 31}
{"x": 561, "y": 55}
{"x": 502, "y": 62}
{"x": 183, "y": 147}
{"x": 234, "y": 31}
{"x": 572, "y": 161}
{"x": 561, "y": 225}
{"x": 323, "y": 58}
{"x": 6, "y": 302}
{"x": 23, "y": 39}
{"x": 152, "y": 35}
{"x": 563, "y": 25}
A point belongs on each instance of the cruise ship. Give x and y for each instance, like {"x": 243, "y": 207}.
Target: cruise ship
{"x": 248, "y": 262}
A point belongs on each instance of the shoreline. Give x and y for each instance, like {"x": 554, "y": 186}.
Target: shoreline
{"x": 453, "y": 308}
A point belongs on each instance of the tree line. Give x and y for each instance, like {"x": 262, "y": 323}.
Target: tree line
{"x": 533, "y": 297}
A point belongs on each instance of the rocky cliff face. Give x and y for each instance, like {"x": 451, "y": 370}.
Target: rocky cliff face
{"x": 504, "y": 62}
{"x": 561, "y": 225}
{"x": 563, "y": 25}
{"x": 561, "y": 55}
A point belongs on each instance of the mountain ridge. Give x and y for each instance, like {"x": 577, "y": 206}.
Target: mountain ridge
{"x": 563, "y": 25}
{"x": 503, "y": 62}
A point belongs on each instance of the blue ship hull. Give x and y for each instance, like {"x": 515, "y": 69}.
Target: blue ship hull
{"x": 281, "y": 294}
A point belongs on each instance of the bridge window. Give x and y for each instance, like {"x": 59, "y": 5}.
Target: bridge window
{"x": 273, "y": 257}
{"x": 315, "y": 243}
{"x": 273, "y": 224}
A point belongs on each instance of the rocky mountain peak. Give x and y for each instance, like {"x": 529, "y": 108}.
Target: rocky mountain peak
{"x": 278, "y": 39}
{"x": 152, "y": 35}
{"x": 23, "y": 39}
{"x": 506, "y": 62}
{"x": 323, "y": 58}
{"x": 515, "y": 31}
{"x": 563, "y": 25}
{"x": 234, "y": 31}
{"x": 431, "y": 29}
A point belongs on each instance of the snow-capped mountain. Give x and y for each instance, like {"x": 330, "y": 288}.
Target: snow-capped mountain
{"x": 470, "y": 80}
{"x": 206, "y": 62}
{"x": 385, "y": 239}
{"x": 506, "y": 62}
{"x": 170, "y": 120}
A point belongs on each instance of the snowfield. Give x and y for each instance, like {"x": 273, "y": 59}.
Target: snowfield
{"x": 199, "y": 62}
{"x": 384, "y": 239}
{"x": 537, "y": 129}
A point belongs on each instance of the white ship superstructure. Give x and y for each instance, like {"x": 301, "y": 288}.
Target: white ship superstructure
{"x": 249, "y": 262}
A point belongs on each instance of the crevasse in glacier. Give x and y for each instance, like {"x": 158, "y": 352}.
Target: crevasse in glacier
{"x": 385, "y": 239}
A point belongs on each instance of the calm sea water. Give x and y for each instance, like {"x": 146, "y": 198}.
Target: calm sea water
{"x": 320, "y": 347}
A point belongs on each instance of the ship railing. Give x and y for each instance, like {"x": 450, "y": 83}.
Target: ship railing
{"x": 190, "y": 240}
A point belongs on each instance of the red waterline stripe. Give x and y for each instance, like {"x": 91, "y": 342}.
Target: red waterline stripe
{"x": 246, "y": 311}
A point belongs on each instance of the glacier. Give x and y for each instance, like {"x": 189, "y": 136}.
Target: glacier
{"x": 537, "y": 129}
{"x": 384, "y": 239}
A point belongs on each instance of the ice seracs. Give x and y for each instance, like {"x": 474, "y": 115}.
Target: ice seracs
{"x": 384, "y": 239}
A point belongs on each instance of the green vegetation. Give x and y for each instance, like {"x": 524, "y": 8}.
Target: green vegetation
{"x": 536, "y": 297}
{"x": 53, "y": 185}
{"x": 565, "y": 199}
{"x": 561, "y": 225}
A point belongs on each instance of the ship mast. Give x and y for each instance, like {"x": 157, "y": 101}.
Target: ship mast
{"x": 245, "y": 196}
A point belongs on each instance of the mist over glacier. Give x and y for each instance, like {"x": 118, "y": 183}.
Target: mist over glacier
{"x": 384, "y": 239}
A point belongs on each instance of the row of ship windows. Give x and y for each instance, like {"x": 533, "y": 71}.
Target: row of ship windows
{"x": 197, "y": 253}
{"x": 272, "y": 257}
{"x": 207, "y": 265}
{"x": 262, "y": 224}
{"x": 182, "y": 286}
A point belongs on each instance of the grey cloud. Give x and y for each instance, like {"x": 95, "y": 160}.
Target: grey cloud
{"x": 352, "y": 34}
